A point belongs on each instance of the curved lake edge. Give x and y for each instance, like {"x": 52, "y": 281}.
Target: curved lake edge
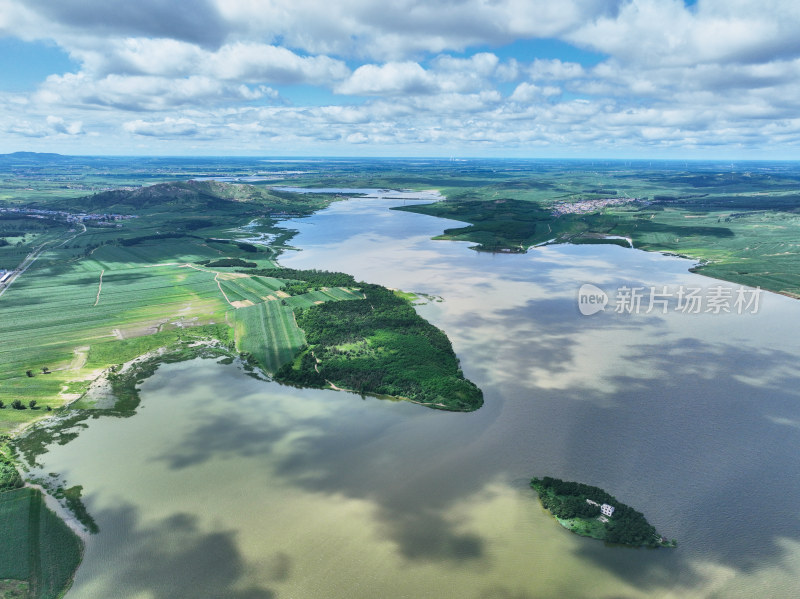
{"x": 342, "y": 194}
{"x": 114, "y": 391}
{"x": 489, "y": 234}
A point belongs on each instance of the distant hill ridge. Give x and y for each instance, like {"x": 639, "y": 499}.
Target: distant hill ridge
{"x": 174, "y": 195}
{"x": 190, "y": 197}
{"x": 34, "y": 157}
{"x": 181, "y": 193}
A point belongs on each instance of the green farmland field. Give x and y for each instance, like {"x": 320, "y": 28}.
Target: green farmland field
{"x": 105, "y": 296}
{"x": 36, "y": 545}
{"x": 255, "y": 289}
{"x": 55, "y": 310}
{"x": 313, "y": 298}
{"x": 92, "y": 286}
{"x": 268, "y": 332}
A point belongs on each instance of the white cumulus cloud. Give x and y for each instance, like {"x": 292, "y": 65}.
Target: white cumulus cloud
{"x": 301, "y": 73}
{"x": 168, "y": 127}
{"x": 388, "y": 79}
{"x": 143, "y": 93}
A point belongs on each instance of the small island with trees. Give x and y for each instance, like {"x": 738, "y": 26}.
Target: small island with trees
{"x": 592, "y": 512}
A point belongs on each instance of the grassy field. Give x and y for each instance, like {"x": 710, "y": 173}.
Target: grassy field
{"x": 267, "y": 330}
{"x": 269, "y": 333}
{"x": 37, "y": 549}
{"x": 59, "y": 316}
{"x": 586, "y": 528}
{"x": 320, "y": 296}
{"x": 255, "y": 289}
{"x": 15, "y": 522}
{"x": 55, "y": 309}
{"x": 93, "y": 286}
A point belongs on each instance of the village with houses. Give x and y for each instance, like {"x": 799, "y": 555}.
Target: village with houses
{"x": 69, "y": 217}
{"x": 587, "y": 206}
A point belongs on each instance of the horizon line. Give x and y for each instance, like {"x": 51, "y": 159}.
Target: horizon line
{"x": 437, "y": 158}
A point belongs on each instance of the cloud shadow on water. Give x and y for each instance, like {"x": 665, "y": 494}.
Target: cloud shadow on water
{"x": 699, "y": 443}
{"x": 701, "y": 435}
{"x": 169, "y": 559}
{"x": 346, "y": 454}
{"x": 704, "y": 458}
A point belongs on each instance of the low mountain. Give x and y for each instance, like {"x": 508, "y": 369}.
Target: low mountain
{"x": 33, "y": 158}
{"x": 197, "y": 195}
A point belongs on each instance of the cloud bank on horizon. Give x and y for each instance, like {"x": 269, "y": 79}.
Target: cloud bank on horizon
{"x": 624, "y": 78}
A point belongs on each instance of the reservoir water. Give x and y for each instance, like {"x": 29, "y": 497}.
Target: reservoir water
{"x": 226, "y": 486}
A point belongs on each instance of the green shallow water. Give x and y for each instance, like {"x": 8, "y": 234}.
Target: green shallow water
{"x": 225, "y": 486}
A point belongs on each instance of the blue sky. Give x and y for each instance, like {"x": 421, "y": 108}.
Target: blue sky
{"x": 26, "y": 64}
{"x": 577, "y": 78}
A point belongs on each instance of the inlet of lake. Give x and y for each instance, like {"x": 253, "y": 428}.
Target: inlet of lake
{"x": 225, "y": 486}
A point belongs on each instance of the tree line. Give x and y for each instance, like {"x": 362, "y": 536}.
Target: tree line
{"x": 9, "y": 476}
{"x": 312, "y": 277}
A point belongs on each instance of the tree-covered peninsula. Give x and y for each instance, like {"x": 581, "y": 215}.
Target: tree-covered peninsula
{"x": 592, "y": 512}
{"x": 376, "y": 344}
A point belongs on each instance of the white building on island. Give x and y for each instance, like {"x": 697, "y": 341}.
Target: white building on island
{"x": 605, "y": 509}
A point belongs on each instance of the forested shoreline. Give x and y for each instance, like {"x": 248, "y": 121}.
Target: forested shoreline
{"x": 378, "y": 345}
{"x": 577, "y": 507}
